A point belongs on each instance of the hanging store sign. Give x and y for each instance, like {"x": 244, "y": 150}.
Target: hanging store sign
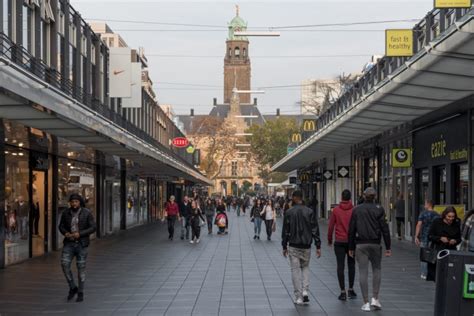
{"x": 135, "y": 100}
{"x": 296, "y": 138}
{"x": 452, "y": 4}
{"x": 180, "y": 142}
{"x": 399, "y": 43}
{"x": 343, "y": 171}
{"x": 318, "y": 177}
{"x": 197, "y": 157}
{"x": 120, "y": 72}
{"x": 328, "y": 174}
{"x": 401, "y": 157}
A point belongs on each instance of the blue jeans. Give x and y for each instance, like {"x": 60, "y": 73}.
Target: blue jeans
{"x": 70, "y": 251}
{"x": 185, "y": 225}
{"x": 257, "y": 222}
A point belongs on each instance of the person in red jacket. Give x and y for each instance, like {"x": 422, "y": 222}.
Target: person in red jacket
{"x": 339, "y": 222}
{"x": 171, "y": 213}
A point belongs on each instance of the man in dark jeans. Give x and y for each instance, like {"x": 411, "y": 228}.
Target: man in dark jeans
{"x": 77, "y": 224}
{"x": 185, "y": 215}
{"x": 339, "y": 222}
{"x": 367, "y": 227}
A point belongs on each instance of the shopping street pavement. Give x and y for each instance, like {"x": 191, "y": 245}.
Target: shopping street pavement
{"x": 140, "y": 272}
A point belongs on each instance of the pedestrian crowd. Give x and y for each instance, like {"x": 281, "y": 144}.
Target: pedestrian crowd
{"x": 356, "y": 232}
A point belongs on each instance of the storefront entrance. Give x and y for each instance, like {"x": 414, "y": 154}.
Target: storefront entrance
{"x": 40, "y": 218}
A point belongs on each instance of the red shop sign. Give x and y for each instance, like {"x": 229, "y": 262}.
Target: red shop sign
{"x": 180, "y": 142}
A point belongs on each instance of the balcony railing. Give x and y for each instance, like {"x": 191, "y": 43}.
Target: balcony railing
{"x": 429, "y": 28}
{"x": 35, "y": 66}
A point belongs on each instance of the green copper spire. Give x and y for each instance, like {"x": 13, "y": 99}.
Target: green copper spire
{"x": 237, "y": 24}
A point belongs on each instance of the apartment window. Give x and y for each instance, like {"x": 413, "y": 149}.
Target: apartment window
{"x": 102, "y": 87}
{"x": 234, "y": 168}
{"x": 5, "y": 17}
{"x": 25, "y": 28}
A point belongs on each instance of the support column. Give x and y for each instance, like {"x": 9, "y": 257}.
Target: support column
{"x": 2, "y": 196}
{"x": 123, "y": 194}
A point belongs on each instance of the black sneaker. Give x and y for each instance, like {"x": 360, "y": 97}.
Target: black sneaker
{"x": 72, "y": 293}
{"x": 305, "y": 297}
{"x": 255, "y": 237}
{"x": 80, "y": 297}
{"x": 343, "y": 296}
{"x": 352, "y": 295}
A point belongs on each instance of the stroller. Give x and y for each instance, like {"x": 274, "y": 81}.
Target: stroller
{"x": 221, "y": 222}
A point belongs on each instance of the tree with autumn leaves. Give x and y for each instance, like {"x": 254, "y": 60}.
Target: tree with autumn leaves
{"x": 217, "y": 143}
{"x": 269, "y": 144}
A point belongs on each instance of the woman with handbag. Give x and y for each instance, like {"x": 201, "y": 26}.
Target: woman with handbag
{"x": 256, "y": 218}
{"x": 269, "y": 215}
{"x": 445, "y": 233}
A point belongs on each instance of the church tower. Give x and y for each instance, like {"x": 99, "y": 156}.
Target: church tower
{"x": 237, "y": 62}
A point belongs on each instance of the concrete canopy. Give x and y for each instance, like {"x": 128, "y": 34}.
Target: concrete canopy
{"x": 438, "y": 75}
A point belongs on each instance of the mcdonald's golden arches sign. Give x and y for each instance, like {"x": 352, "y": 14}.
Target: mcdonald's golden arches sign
{"x": 304, "y": 177}
{"x": 309, "y": 125}
{"x": 296, "y": 138}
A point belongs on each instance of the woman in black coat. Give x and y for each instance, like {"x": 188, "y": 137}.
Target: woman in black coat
{"x": 445, "y": 233}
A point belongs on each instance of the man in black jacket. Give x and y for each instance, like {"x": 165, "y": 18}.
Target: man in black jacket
{"x": 185, "y": 214}
{"x": 366, "y": 229}
{"x": 300, "y": 228}
{"x": 77, "y": 224}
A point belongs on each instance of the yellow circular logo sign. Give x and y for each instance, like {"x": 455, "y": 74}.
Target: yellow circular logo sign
{"x": 190, "y": 150}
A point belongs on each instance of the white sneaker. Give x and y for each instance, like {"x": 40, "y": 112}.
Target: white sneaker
{"x": 299, "y": 301}
{"x": 366, "y": 307}
{"x": 191, "y": 241}
{"x": 375, "y": 303}
{"x": 197, "y": 241}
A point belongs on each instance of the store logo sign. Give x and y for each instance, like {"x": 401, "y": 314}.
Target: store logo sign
{"x": 399, "y": 43}
{"x": 401, "y": 157}
{"x": 328, "y": 175}
{"x": 180, "y": 142}
{"x": 343, "y": 171}
{"x": 438, "y": 148}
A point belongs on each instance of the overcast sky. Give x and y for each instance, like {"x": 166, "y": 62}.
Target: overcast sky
{"x": 181, "y": 61}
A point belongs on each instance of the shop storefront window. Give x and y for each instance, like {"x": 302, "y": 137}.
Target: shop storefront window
{"x": 132, "y": 205}
{"x": 461, "y": 183}
{"x": 423, "y": 190}
{"x": 17, "y": 205}
{"x": 143, "y": 201}
{"x": 440, "y": 185}
{"x": 75, "y": 177}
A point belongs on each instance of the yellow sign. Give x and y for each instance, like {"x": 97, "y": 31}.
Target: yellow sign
{"x": 296, "y": 138}
{"x": 190, "y": 150}
{"x": 399, "y": 43}
{"x": 451, "y": 4}
{"x": 459, "y": 209}
{"x": 401, "y": 157}
{"x": 304, "y": 177}
{"x": 309, "y": 125}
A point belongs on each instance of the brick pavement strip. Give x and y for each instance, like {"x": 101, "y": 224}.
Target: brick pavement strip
{"x": 140, "y": 272}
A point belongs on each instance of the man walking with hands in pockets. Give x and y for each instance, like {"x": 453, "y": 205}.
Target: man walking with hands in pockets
{"x": 366, "y": 229}
{"x": 300, "y": 228}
